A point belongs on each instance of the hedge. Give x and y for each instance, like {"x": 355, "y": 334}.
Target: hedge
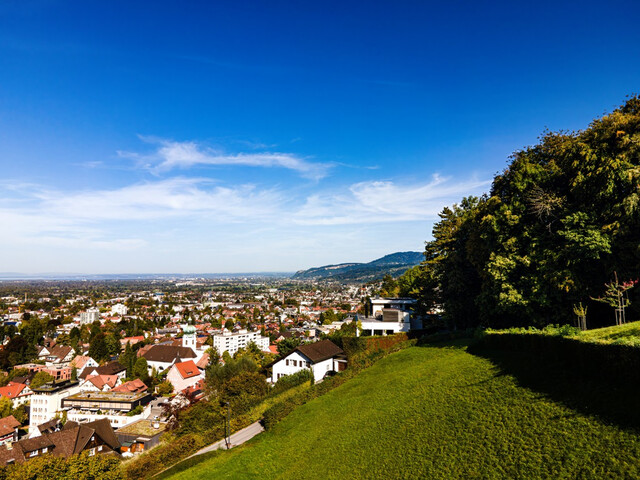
{"x": 611, "y": 363}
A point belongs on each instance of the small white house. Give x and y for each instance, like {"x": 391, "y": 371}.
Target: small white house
{"x": 320, "y": 357}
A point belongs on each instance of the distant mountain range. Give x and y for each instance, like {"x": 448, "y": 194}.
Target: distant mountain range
{"x": 394, "y": 264}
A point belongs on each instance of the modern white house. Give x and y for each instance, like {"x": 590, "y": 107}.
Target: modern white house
{"x": 232, "y": 342}
{"x": 378, "y": 304}
{"x": 320, "y": 357}
{"x": 391, "y": 321}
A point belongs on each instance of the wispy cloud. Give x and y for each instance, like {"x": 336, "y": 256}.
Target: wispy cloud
{"x": 386, "y": 201}
{"x": 171, "y": 155}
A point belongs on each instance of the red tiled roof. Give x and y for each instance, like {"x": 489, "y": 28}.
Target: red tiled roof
{"x": 101, "y": 380}
{"x": 134, "y": 386}
{"x": 12, "y": 390}
{"x": 187, "y": 369}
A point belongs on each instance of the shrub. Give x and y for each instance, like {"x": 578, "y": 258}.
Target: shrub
{"x": 293, "y": 380}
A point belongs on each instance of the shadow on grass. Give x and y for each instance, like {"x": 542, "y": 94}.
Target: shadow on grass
{"x": 187, "y": 464}
{"x": 611, "y": 401}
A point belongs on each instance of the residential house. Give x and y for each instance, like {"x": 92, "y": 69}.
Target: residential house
{"x": 59, "y": 355}
{"x": 18, "y": 393}
{"x": 111, "y": 368}
{"x": 133, "y": 386}
{"x": 184, "y": 374}
{"x": 140, "y": 436}
{"x": 80, "y": 362}
{"x": 95, "y": 437}
{"x": 320, "y": 357}
{"x": 161, "y": 357}
{"x": 99, "y": 383}
{"x": 9, "y": 429}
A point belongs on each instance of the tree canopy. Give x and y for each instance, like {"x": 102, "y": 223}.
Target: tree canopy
{"x": 558, "y": 222}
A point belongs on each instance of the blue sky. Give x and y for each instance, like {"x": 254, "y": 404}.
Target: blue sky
{"x": 274, "y": 136}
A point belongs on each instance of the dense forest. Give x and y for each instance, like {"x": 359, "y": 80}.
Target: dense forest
{"x": 560, "y": 223}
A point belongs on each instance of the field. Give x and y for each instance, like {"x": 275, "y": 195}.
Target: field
{"x": 441, "y": 412}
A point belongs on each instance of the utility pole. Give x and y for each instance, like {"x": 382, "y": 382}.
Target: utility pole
{"x": 227, "y": 438}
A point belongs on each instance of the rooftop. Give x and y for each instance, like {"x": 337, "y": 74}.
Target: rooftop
{"x": 143, "y": 428}
{"x": 108, "y": 396}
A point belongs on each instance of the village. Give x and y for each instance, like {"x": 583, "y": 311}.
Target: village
{"x": 105, "y": 367}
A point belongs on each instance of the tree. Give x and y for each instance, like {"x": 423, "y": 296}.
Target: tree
{"x": 141, "y": 370}
{"x": 98, "y": 349}
{"x": 165, "y": 388}
{"x": 285, "y": 345}
{"x": 614, "y": 296}
{"x": 229, "y": 324}
{"x": 40, "y": 379}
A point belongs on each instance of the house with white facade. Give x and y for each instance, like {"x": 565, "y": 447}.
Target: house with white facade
{"x": 231, "y": 342}
{"x": 389, "y": 322}
{"x": 161, "y": 357}
{"x": 320, "y": 357}
{"x": 183, "y": 375}
{"x": 18, "y": 393}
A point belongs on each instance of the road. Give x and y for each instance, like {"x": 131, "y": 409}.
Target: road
{"x": 237, "y": 438}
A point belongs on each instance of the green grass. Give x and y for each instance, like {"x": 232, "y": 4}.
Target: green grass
{"x": 627, "y": 334}
{"x": 435, "y": 412}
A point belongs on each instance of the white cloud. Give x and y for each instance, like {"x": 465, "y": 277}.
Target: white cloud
{"x": 175, "y": 197}
{"x": 170, "y": 155}
{"x": 385, "y": 201}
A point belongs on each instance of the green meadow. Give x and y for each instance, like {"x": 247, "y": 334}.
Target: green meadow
{"x": 442, "y": 412}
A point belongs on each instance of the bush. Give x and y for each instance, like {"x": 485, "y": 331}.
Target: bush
{"x": 293, "y": 380}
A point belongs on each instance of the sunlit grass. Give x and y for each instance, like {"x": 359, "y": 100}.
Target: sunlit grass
{"x": 430, "y": 412}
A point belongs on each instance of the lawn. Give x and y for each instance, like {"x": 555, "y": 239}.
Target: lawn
{"x": 437, "y": 412}
{"x": 627, "y": 334}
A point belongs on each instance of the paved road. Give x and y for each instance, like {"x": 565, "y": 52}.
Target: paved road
{"x": 237, "y": 438}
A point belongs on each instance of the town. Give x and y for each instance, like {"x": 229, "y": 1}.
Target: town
{"x": 120, "y": 359}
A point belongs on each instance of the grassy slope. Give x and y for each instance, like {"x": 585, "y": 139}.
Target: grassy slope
{"x": 628, "y": 333}
{"x": 431, "y": 413}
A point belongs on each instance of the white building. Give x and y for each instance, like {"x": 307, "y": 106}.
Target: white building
{"x": 90, "y": 316}
{"x": 46, "y": 401}
{"x": 119, "y": 309}
{"x": 392, "y": 321}
{"x": 380, "y": 303}
{"x": 320, "y": 357}
{"x": 232, "y": 342}
{"x": 183, "y": 375}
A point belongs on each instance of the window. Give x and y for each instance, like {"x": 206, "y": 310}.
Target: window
{"x": 287, "y": 363}
{"x": 34, "y": 453}
{"x": 295, "y": 363}
{"x": 100, "y": 448}
{"x": 45, "y": 449}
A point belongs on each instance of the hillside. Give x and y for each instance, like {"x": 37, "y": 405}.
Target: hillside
{"x": 440, "y": 412}
{"x": 394, "y": 264}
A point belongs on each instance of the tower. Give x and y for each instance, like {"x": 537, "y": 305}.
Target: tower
{"x": 189, "y": 337}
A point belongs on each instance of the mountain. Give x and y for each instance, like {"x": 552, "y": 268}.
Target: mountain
{"x": 394, "y": 264}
